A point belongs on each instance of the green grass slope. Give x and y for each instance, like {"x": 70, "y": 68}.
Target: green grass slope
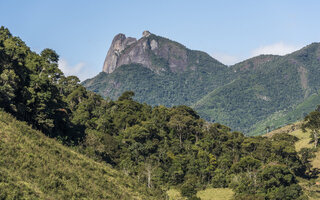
{"x": 310, "y": 187}
{"x": 33, "y": 166}
{"x": 206, "y": 194}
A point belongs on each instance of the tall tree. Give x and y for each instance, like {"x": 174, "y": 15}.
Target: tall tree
{"x": 312, "y": 122}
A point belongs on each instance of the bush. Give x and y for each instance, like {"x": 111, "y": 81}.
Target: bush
{"x": 188, "y": 190}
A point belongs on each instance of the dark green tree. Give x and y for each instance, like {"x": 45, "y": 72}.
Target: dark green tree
{"x": 312, "y": 122}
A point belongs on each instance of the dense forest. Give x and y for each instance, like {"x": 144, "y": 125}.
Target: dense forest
{"x": 159, "y": 147}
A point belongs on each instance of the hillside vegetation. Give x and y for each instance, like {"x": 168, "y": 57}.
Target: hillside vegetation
{"x": 264, "y": 92}
{"x": 32, "y": 166}
{"x": 161, "y": 84}
{"x": 311, "y": 187}
{"x": 267, "y": 94}
{"x": 207, "y": 194}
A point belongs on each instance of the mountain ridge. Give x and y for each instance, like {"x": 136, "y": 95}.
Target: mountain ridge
{"x": 278, "y": 85}
{"x": 262, "y": 78}
{"x": 167, "y": 79}
{"x": 151, "y": 51}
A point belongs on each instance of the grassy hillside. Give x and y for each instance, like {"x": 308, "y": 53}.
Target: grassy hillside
{"x": 33, "y": 166}
{"x": 216, "y": 194}
{"x": 311, "y": 187}
{"x": 207, "y": 194}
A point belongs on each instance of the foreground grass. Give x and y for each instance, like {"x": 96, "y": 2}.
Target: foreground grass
{"x": 216, "y": 194}
{"x": 33, "y": 166}
{"x": 310, "y": 188}
{"x": 207, "y": 194}
{"x": 174, "y": 194}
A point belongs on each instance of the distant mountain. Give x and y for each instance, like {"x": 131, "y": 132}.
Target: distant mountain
{"x": 158, "y": 70}
{"x": 260, "y": 92}
{"x": 266, "y": 92}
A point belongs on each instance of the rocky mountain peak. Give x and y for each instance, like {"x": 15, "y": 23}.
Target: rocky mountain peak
{"x": 146, "y": 34}
{"x": 151, "y": 51}
{"x": 119, "y": 43}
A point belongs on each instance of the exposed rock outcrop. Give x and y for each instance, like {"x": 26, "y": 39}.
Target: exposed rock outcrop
{"x": 146, "y": 33}
{"x": 151, "y": 51}
{"x": 119, "y": 43}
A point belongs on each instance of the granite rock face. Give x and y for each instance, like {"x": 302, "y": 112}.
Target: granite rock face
{"x": 119, "y": 43}
{"x": 151, "y": 51}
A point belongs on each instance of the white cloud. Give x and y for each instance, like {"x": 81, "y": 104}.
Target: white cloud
{"x": 226, "y": 58}
{"x": 77, "y": 70}
{"x": 70, "y": 70}
{"x": 279, "y": 48}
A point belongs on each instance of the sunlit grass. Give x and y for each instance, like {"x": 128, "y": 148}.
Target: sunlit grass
{"x": 304, "y": 139}
{"x": 33, "y": 166}
{"x": 174, "y": 194}
{"x": 216, "y": 194}
{"x": 207, "y": 194}
{"x": 310, "y": 187}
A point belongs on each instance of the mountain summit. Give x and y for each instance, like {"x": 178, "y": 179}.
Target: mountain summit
{"x": 160, "y": 71}
{"x": 119, "y": 43}
{"x": 154, "y": 52}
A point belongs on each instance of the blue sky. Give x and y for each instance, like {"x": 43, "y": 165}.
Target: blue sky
{"x": 231, "y": 31}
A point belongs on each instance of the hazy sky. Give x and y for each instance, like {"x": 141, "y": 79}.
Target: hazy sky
{"x": 231, "y": 31}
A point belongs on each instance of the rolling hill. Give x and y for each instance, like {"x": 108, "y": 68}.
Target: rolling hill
{"x": 33, "y": 166}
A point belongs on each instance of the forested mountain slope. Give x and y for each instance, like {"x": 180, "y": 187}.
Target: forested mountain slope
{"x": 258, "y": 93}
{"x": 159, "y": 71}
{"x": 271, "y": 89}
